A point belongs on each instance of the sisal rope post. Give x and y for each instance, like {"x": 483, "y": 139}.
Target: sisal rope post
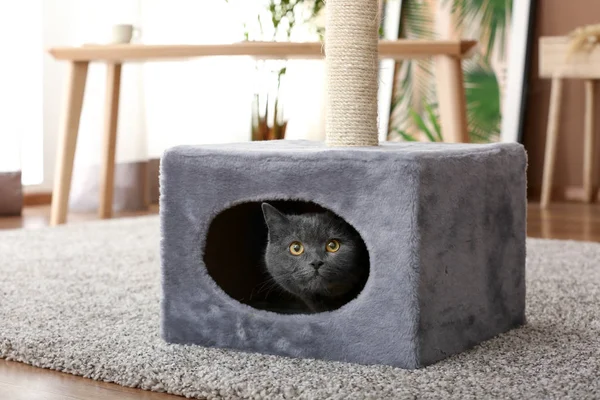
{"x": 351, "y": 62}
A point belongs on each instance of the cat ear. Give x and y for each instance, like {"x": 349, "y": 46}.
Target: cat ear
{"x": 273, "y": 217}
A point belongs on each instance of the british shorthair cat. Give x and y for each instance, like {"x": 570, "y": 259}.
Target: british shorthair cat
{"x": 317, "y": 257}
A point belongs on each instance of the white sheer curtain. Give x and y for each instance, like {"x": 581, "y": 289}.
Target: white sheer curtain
{"x": 209, "y": 100}
{"x": 199, "y": 100}
{"x": 74, "y": 22}
{"x": 164, "y": 104}
{"x": 20, "y": 100}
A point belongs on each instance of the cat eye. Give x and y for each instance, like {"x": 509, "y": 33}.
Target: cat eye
{"x": 332, "y": 246}
{"x": 296, "y": 248}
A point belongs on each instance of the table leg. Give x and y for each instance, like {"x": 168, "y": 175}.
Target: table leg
{"x": 589, "y": 143}
{"x": 451, "y": 99}
{"x": 551, "y": 140}
{"x": 68, "y": 142}
{"x": 111, "y": 117}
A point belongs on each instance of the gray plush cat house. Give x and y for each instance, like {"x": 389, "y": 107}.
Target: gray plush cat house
{"x": 443, "y": 224}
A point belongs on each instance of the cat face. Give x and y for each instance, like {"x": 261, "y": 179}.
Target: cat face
{"x": 312, "y": 255}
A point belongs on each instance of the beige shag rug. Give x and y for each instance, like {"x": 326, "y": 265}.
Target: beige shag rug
{"x": 84, "y": 299}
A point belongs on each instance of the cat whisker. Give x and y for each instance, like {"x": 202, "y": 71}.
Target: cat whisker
{"x": 276, "y": 286}
{"x": 269, "y": 285}
{"x": 265, "y": 285}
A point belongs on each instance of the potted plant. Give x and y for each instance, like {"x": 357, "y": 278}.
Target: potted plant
{"x": 276, "y": 20}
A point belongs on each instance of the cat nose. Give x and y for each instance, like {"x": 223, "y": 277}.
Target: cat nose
{"x": 316, "y": 264}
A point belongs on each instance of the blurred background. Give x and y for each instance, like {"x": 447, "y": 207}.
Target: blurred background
{"x": 232, "y": 99}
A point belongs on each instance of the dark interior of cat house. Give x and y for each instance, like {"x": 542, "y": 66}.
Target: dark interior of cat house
{"x": 234, "y": 256}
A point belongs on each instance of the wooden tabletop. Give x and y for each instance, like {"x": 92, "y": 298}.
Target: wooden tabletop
{"x": 553, "y": 60}
{"x": 396, "y": 49}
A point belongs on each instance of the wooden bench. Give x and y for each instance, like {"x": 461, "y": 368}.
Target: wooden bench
{"x": 450, "y": 89}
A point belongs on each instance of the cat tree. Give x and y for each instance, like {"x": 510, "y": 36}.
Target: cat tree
{"x": 444, "y": 225}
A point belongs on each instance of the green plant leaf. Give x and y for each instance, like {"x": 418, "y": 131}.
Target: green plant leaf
{"x": 416, "y": 20}
{"x": 413, "y": 78}
{"x": 406, "y": 136}
{"x": 493, "y": 16}
{"x": 483, "y": 102}
{"x": 421, "y": 124}
{"x": 434, "y": 121}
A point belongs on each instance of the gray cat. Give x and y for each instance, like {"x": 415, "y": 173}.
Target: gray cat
{"x": 317, "y": 257}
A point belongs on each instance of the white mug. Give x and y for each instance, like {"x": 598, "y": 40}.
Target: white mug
{"x": 123, "y": 33}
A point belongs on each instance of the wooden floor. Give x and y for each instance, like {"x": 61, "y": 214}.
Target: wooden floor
{"x": 39, "y": 216}
{"x": 568, "y": 221}
{"x": 19, "y": 381}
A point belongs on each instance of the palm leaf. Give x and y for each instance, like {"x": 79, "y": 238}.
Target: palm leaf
{"x": 483, "y": 102}
{"x": 406, "y": 136}
{"x": 492, "y": 16}
{"x": 416, "y": 20}
{"x": 413, "y": 77}
{"x": 434, "y": 121}
{"x": 418, "y": 120}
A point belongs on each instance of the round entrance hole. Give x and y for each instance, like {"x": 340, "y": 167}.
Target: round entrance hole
{"x": 315, "y": 261}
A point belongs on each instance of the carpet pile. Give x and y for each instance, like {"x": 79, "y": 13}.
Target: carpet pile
{"x": 84, "y": 299}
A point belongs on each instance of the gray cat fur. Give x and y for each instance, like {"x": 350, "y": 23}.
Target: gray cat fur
{"x": 341, "y": 275}
{"x": 444, "y": 225}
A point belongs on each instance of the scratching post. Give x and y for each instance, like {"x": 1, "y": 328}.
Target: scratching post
{"x": 351, "y": 60}
{"x": 443, "y": 224}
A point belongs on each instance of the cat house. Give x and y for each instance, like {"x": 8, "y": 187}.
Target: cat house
{"x": 443, "y": 225}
